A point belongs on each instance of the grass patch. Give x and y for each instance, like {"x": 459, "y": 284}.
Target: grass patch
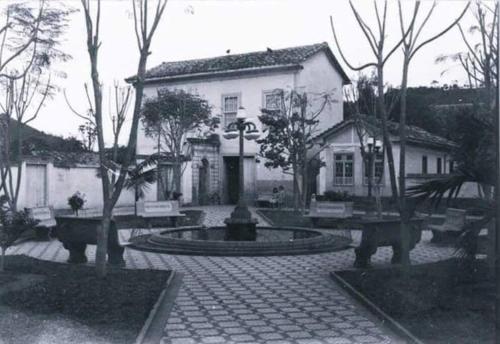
{"x": 294, "y": 218}
{"x": 7, "y": 278}
{"x": 443, "y": 302}
{"x": 72, "y": 305}
{"x": 285, "y": 218}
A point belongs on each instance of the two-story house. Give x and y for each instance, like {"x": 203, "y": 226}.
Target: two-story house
{"x": 228, "y": 82}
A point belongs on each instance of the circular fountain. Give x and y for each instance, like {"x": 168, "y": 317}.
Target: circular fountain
{"x": 268, "y": 241}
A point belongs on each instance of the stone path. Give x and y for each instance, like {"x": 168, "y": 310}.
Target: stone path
{"x": 271, "y": 300}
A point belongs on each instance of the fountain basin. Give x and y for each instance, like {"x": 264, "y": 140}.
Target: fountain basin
{"x": 269, "y": 241}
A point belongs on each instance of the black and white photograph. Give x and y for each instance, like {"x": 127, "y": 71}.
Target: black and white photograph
{"x": 249, "y": 172}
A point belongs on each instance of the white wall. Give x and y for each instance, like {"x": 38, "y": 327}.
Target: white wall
{"x": 318, "y": 77}
{"x": 251, "y": 96}
{"x": 61, "y": 183}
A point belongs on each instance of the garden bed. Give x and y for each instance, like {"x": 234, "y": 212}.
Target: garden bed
{"x": 285, "y": 218}
{"x": 443, "y": 302}
{"x": 294, "y": 218}
{"x": 71, "y": 305}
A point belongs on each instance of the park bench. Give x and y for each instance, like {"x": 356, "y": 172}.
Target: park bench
{"x": 151, "y": 210}
{"x": 451, "y": 228}
{"x": 97, "y": 212}
{"x": 76, "y": 232}
{"x": 264, "y": 199}
{"x": 329, "y": 210}
{"x": 46, "y": 221}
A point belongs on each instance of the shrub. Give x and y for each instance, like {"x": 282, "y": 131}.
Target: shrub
{"x": 12, "y": 225}
{"x": 336, "y": 196}
{"x": 76, "y": 201}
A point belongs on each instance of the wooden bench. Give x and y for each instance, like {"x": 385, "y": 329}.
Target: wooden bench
{"x": 264, "y": 199}
{"x": 151, "y": 210}
{"x": 76, "y": 232}
{"x": 451, "y": 228}
{"x": 329, "y": 210}
{"x": 46, "y": 221}
{"x": 97, "y": 212}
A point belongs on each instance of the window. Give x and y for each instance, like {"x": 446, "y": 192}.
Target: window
{"x": 378, "y": 169}
{"x": 230, "y": 105}
{"x": 424, "y": 164}
{"x": 272, "y": 100}
{"x": 344, "y": 169}
{"x": 439, "y": 166}
{"x": 452, "y": 166}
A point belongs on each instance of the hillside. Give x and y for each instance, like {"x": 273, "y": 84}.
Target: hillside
{"x": 37, "y": 140}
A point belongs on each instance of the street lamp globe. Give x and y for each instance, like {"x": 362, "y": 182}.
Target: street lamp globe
{"x": 241, "y": 114}
{"x": 252, "y": 134}
{"x": 230, "y": 134}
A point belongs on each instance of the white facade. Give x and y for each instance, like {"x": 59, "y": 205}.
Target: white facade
{"x": 346, "y": 141}
{"x": 317, "y": 76}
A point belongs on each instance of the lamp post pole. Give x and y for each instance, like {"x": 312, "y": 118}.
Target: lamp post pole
{"x": 241, "y": 181}
{"x": 374, "y": 147}
{"x": 241, "y": 225}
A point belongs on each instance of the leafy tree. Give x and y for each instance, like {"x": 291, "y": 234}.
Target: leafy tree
{"x": 288, "y": 143}
{"x": 171, "y": 117}
{"x": 410, "y": 46}
{"x": 88, "y": 134}
{"x": 29, "y": 44}
{"x": 477, "y": 130}
{"x": 146, "y": 20}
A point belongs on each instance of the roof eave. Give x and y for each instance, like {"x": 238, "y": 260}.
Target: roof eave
{"x": 224, "y": 73}
{"x": 433, "y": 145}
{"x": 329, "y": 53}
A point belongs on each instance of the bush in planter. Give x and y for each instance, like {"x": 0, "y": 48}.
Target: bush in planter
{"x": 335, "y": 196}
{"x": 12, "y": 225}
{"x": 76, "y": 201}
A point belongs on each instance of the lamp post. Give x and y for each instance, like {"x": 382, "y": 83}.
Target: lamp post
{"x": 374, "y": 147}
{"x": 241, "y": 225}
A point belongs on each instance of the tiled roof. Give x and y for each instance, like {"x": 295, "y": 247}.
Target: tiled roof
{"x": 415, "y": 135}
{"x": 236, "y": 62}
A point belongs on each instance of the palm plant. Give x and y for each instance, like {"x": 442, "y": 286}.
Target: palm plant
{"x": 476, "y": 157}
{"x": 141, "y": 176}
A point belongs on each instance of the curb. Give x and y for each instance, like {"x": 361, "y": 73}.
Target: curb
{"x": 379, "y": 313}
{"x": 160, "y": 311}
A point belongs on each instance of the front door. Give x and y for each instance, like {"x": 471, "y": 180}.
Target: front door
{"x": 36, "y": 186}
{"x": 203, "y": 182}
{"x": 231, "y": 172}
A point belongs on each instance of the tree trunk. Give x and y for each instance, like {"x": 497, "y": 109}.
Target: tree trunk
{"x": 177, "y": 171}
{"x": 295, "y": 187}
{"x": 102, "y": 240}
{"x": 403, "y": 211}
{"x": 2, "y": 259}
{"x": 382, "y": 111}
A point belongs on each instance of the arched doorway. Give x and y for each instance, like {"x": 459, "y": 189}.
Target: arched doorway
{"x": 203, "y": 182}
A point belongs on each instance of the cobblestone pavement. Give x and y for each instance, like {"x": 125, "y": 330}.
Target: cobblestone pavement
{"x": 271, "y": 300}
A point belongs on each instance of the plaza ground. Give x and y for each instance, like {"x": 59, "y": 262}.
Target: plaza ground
{"x": 271, "y": 300}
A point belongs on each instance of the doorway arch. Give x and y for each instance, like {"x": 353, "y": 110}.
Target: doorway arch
{"x": 204, "y": 182}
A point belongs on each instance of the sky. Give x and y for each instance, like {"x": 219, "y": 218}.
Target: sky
{"x": 206, "y": 28}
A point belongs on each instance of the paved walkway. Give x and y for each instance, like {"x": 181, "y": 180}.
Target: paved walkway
{"x": 271, "y": 300}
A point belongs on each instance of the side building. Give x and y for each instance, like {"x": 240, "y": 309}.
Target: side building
{"x": 428, "y": 156}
